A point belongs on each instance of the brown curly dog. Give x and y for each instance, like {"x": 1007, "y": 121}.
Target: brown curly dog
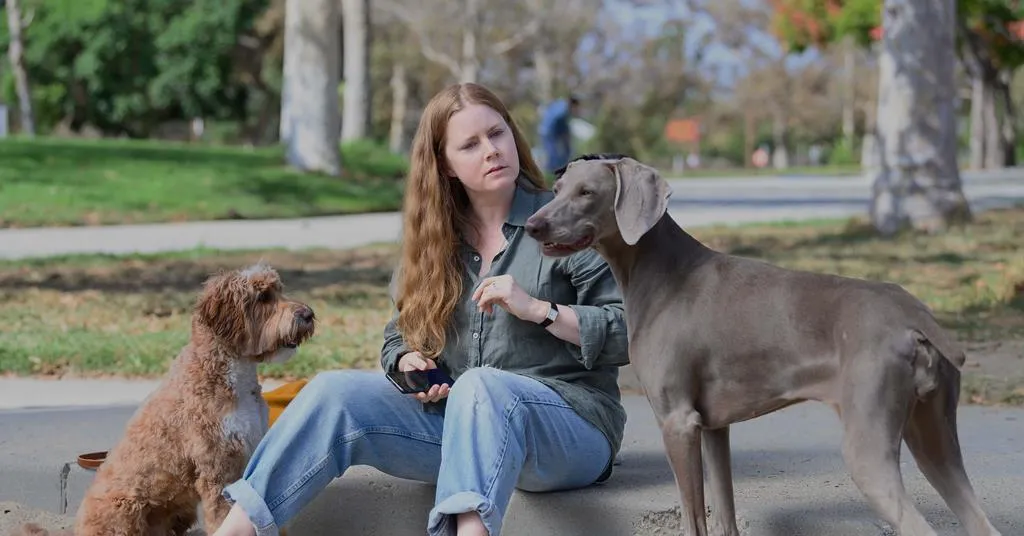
{"x": 195, "y": 433}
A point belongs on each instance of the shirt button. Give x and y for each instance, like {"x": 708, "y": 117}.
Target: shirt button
{"x": 476, "y": 257}
{"x": 476, "y": 335}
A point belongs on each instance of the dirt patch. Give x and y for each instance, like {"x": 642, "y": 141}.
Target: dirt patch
{"x": 668, "y": 522}
{"x": 185, "y": 272}
{"x": 19, "y": 520}
{"x": 14, "y": 516}
{"x": 994, "y": 373}
{"x": 97, "y": 315}
{"x": 657, "y": 523}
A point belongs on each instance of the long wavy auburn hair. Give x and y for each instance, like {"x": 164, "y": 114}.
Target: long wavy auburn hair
{"x": 435, "y": 211}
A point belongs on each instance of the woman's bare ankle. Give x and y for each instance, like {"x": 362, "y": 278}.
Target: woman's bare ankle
{"x": 236, "y": 523}
{"x": 470, "y": 524}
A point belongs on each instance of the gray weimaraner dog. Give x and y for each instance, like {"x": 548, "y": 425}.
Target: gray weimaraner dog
{"x": 717, "y": 339}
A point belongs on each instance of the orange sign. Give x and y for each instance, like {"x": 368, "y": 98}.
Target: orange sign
{"x": 683, "y": 130}
{"x": 1017, "y": 29}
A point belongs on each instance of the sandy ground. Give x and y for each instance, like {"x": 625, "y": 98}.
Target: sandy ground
{"x": 14, "y": 517}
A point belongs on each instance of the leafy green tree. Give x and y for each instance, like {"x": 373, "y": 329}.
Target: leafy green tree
{"x": 989, "y": 39}
{"x": 915, "y": 175}
{"x": 805, "y": 23}
{"x": 125, "y": 66}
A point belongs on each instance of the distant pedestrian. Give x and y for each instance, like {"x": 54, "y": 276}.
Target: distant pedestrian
{"x": 555, "y": 132}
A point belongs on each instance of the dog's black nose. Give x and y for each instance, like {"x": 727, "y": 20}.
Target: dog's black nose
{"x": 536, "y": 227}
{"x": 304, "y": 313}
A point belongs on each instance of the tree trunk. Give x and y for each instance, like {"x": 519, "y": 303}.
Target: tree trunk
{"x": 355, "y": 119}
{"x": 399, "y": 108}
{"x": 748, "y": 138}
{"x": 917, "y": 183}
{"x": 849, "y": 64}
{"x": 870, "y": 152}
{"x": 309, "y": 94}
{"x": 994, "y": 150}
{"x": 470, "y": 63}
{"x": 544, "y": 73}
{"x": 258, "y": 132}
{"x": 780, "y": 153}
{"x": 979, "y": 97}
{"x": 993, "y": 135}
{"x": 1009, "y": 137}
{"x": 15, "y": 52}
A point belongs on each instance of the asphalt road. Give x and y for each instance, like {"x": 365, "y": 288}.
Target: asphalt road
{"x": 695, "y": 202}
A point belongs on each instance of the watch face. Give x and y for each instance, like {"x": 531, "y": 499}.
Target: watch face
{"x": 552, "y": 313}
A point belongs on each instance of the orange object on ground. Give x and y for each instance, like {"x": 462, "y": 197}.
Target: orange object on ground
{"x": 279, "y": 398}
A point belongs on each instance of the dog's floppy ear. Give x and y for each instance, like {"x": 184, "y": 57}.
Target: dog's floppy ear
{"x": 220, "y": 309}
{"x": 641, "y": 198}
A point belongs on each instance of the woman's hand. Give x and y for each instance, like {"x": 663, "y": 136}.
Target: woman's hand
{"x": 503, "y": 291}
{"x": 416, "y": 361}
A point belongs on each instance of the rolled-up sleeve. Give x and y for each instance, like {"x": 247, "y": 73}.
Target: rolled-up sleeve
{"x": 599, "y": 309}
{"x": 394, "y": 346}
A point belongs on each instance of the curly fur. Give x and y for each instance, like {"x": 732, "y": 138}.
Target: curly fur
{"x": 195, "y": 433}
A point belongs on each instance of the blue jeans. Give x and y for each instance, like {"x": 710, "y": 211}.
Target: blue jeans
{"x": 500, "y": 431}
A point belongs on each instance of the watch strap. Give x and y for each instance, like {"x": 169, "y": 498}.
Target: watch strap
{"x": 550, "y": 317}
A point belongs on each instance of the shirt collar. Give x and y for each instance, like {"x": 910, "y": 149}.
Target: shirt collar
{"x": 526, "y": 200}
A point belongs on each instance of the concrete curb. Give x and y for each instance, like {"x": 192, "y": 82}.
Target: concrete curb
{"x": 26, "y": 394}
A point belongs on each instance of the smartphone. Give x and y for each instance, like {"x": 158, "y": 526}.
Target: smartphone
{"x": 419, "y": 381}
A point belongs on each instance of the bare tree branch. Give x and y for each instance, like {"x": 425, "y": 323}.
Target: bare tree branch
{"x": 249, "y": 42}
{"x": 438, "y": 57}
{"x": 528, "y": 31}
{"x": 426, "y": 48}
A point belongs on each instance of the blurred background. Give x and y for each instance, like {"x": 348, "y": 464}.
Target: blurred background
{"x": 684, "y": 84}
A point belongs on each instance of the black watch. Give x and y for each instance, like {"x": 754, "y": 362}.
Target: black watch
{"x": 552, "y": 315}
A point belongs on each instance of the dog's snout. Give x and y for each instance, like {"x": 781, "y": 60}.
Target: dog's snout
{"x": 304, "y": 313}
{"x": 536, "y": 227}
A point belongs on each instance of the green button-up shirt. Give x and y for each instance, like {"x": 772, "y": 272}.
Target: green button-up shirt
{"x": 585, "y": 376}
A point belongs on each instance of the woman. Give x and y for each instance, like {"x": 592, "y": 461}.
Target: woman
{"x": 532, "y": 342}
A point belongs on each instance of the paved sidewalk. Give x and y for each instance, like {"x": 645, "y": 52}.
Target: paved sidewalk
{"x": 336, "y": 232}
{"x": 30, "y": 393}
{"x": 789, "y": 476}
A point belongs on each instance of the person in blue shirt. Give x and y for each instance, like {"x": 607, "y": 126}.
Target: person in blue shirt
{"x": 555, "y": 134}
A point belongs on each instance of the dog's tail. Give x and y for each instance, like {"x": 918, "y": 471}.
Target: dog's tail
{"x": 925, "y": 326}
{"x": 935, "y": 365}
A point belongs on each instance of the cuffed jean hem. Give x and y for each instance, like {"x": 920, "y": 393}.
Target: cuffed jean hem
{"x": 243, "y": 494}
{"x": 442, "y": 516}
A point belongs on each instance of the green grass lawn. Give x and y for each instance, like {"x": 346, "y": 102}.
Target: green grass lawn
{"x": 101, "y": 315}
{"x": 58, "y": 182}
